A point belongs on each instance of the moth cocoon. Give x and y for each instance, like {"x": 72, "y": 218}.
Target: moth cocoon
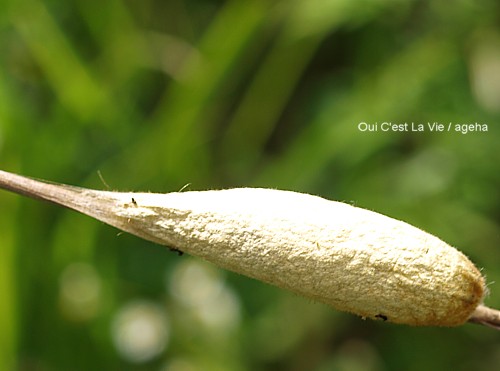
{"x": 352, "y": 259}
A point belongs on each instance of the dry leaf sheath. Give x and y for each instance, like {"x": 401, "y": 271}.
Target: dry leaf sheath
{"x": 352, "y": 259}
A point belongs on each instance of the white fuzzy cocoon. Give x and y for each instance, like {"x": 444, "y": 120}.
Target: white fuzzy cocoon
{"x": 352, "y": 259}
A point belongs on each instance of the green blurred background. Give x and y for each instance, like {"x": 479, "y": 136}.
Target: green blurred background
{"x": 157, "y": 94}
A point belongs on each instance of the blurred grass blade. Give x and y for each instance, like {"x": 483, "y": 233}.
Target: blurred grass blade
{"x": 8, "y": 274}
{"x": 378, "y": 93}
{"x": 70, "y": 78}
{"x": 182, "y": 125}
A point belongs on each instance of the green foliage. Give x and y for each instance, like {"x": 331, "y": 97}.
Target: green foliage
{"x": 156, "y": 94}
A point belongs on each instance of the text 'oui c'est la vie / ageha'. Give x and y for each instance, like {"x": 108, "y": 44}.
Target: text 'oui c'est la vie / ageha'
{"x": 434, "y": 126}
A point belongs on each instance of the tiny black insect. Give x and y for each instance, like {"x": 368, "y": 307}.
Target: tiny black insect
{"x": 382, "y": 317}
{"x": 179, "y": 252}
{"x": 134, "y": 201}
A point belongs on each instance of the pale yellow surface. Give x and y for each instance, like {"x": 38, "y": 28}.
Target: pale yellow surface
{"x": 352, "y": 259}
